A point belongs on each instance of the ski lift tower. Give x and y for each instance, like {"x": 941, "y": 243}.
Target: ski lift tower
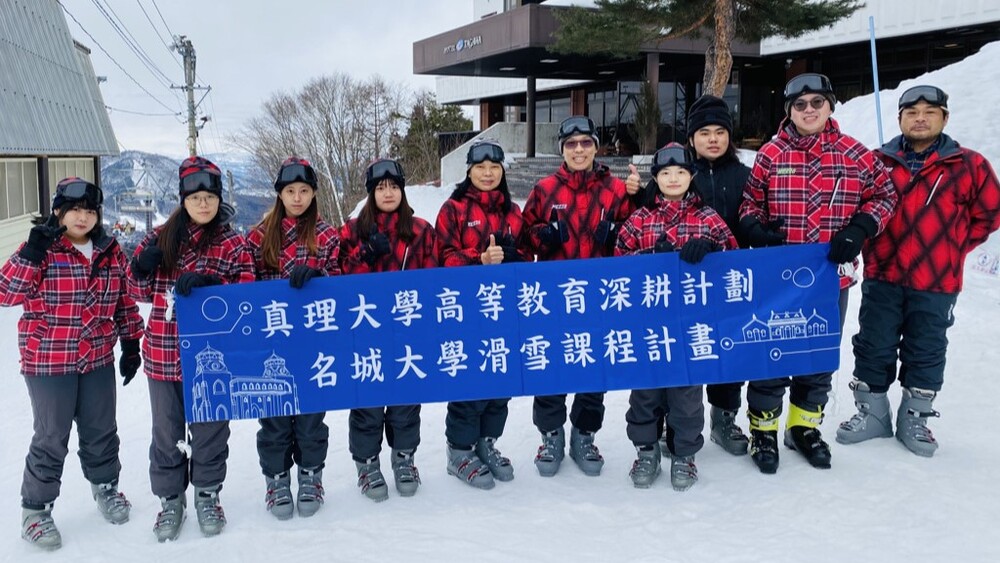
{"x": 142, "y": 203}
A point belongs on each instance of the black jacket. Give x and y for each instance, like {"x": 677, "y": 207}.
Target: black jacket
{"x": 720, "y": 185}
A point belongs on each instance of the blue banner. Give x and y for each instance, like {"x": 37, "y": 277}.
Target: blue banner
{"x": 265, "y": 349}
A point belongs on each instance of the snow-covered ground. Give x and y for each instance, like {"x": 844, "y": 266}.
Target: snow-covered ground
{"x": 878, "y": 503}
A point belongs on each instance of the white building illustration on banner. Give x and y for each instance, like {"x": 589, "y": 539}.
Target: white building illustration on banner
{"x": 785, "y": 326}
{"x": 216, "y": 392}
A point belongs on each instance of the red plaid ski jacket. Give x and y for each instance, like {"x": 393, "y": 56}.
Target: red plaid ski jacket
{"x": 420, "y": 253}
{"x": 681, "y": 220}
{"x": 326, "y": 259}
{"x": 464, "y": 226}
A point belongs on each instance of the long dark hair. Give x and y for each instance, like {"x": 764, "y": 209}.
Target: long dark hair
{"x": 271, "y": 224}
{"x": 366, "y": 219}
{"x": 175, "y": 233}
{"x": 462, "y": 187}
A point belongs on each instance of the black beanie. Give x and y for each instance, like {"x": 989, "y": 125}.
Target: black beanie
{"x": 709, "y": 110}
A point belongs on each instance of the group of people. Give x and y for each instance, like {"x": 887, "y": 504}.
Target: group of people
{"x": 915, "y": 208}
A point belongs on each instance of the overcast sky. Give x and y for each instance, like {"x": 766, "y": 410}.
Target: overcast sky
{"x": 247, "y": 50}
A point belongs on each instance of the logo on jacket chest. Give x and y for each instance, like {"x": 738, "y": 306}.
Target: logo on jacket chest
{"x": 785, "y": 171}
{"x": 475, "y": 223}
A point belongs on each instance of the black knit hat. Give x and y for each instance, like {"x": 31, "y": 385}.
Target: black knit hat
{"x": 709, "y": 110}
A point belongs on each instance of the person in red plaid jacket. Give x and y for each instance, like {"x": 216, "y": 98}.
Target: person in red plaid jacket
{"x": 949, "y": 205}
{"x": 69, "y": 279}
{"x": 386, "y": 237}
{"x": 575, "y": 213}
{"x": 196, "y": 247}
{"x": 672, "y": 218}
{"x": 810, "y": 184}
{"x": 479, "y": 224}
{"x": 292, "y": 242}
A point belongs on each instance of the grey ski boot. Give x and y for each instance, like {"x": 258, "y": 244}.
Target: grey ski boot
{"x": 583, "y": 451}
{"x": 38, "y": 528}
{"x": 727, "y": 433}
{"x": 873, "y": 420}
{"x": 499, "y": 465}
{"x": 371, "y": 481}
{"x": 211, "y": 517}
{"x": 310, "y": 497}
{"x": 646, "y": 467}
{"x": 683, "y": 472}
{"x": 911, "y": 421}
{"x": 113, "y": 505}
{"x": 278, "y": 497}
{"x": 405, "y": 473}
{"x": 551, "y": 452}
{"x": 469, "y": 469}
{"x": 170, "y": 518}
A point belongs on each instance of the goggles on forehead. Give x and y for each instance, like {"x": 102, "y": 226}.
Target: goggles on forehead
{"x": 930, "y": 94}
{"x": 297, "y": 173}
{"x": 483, "y": 151}
{"x": 576, "y": 125}
{"x": 382, "y": 169}
{"x": 671, "y": 156}
{"x": 80, "y": 190}
{"x": 808, "y": 82}
{"x": 199, "y": 181}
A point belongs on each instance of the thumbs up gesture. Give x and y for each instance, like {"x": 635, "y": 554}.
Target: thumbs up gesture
{"x": 493, "y": 254}
{"x": 632, "y": 182}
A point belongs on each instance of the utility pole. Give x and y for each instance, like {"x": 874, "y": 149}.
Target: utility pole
{"x": 183, "y": 46}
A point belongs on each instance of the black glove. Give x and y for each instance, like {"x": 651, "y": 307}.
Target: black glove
{"x": 129, "y": 363}
{"x": 760, "y": 236}
{"x": 510, "y": 254}
{"x": 147, "y": 261}
{"x": 504, "y": 239}
{"x": 663, "y": 245}
{"x": 40, "y": 238}
{"x": 376, "y": 247}
{"x": 695, "y": 249}
{"x": 190, "y": 280}
{"x": 846, "y": 243}
{"x": 555, "y": 233}
{"x": 301, "y": 274}
{"x": 606, "y": 234}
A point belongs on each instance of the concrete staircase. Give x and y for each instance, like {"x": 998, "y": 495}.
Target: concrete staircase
{"x": 523, "y": 173}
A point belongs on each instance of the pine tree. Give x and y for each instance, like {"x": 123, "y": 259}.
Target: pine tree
{"x": 418, "y": 149}
{"x": 621, "y": 28}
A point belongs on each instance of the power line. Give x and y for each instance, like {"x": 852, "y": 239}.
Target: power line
{"x": 130, "y": 41}
{"x": 155, "y": 29}
{"x": 105, "y": 51}
{"x": 109, "y": 108}
{"x": 172, "y": 34}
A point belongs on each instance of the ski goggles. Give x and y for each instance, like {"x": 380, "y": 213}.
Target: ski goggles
{"x": 79, "y": 190}
{"x": 671, "y": 156}
{"x": 483, "y": 151}
{"x": 382, "y": 169}
{"x": 297, "y": 173}
{"x": 808, "y": 82}
{"x": 202, "y": 180}
{"x": 930, "y": 94}
{"x": 576, "y": 125}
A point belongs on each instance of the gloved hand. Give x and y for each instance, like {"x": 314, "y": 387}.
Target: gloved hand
{"x": 555, "y": 233}
{"x": 129, "y": 363}
{"x": 190, "y": 280}
{"x": 301, "y": 274}
{"x": 147, "y": 261}
{"x": 663, "y": 245}
{"x": 510, "y": 254}
{"x": 504, "y": 239}
{"x": 761, "y": 236}
{"x": 695, "y": 249}
{"x": 40, "y": 238}
{"x": 375, "y": 247}
{"x": 606, "y": 234}
{"x": 846, "y": 243}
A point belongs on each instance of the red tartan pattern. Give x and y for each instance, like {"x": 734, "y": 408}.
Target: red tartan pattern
{"x": 227, "y": 257}
{"x": 680, "y": 220}
{"x": 463, "y": 227}
{"x": 74, "y": 309}
{"x": 945, "y": 211}
{"x": 579, "y": 198}
{"x": 326, "y": 259}
{"x": 817, "y": 183}
{"x": 420, "y": 253}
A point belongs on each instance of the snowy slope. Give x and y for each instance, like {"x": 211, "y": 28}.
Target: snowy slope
{"x": 878, "y": 503}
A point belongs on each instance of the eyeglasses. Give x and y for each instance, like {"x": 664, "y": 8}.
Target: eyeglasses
{"x": 671, "y": 156}
{"x": 930, "y": 94}
{"x": 201, "y": 181}
{"x": 483, "y": 151}
{"x": 582, "y": 143}
{"x": 381, "y": 169}
{"x": 801, "y": 104}
{"x": 297, "y": 173}
{"x": 576, "y": 125}
{"x": 203, "y": 199}
{"x": 808, "y": 82}
{"x": 81, "y": 189}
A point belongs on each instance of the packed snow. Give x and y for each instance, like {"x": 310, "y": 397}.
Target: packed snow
{"x": 878, "y": 503}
